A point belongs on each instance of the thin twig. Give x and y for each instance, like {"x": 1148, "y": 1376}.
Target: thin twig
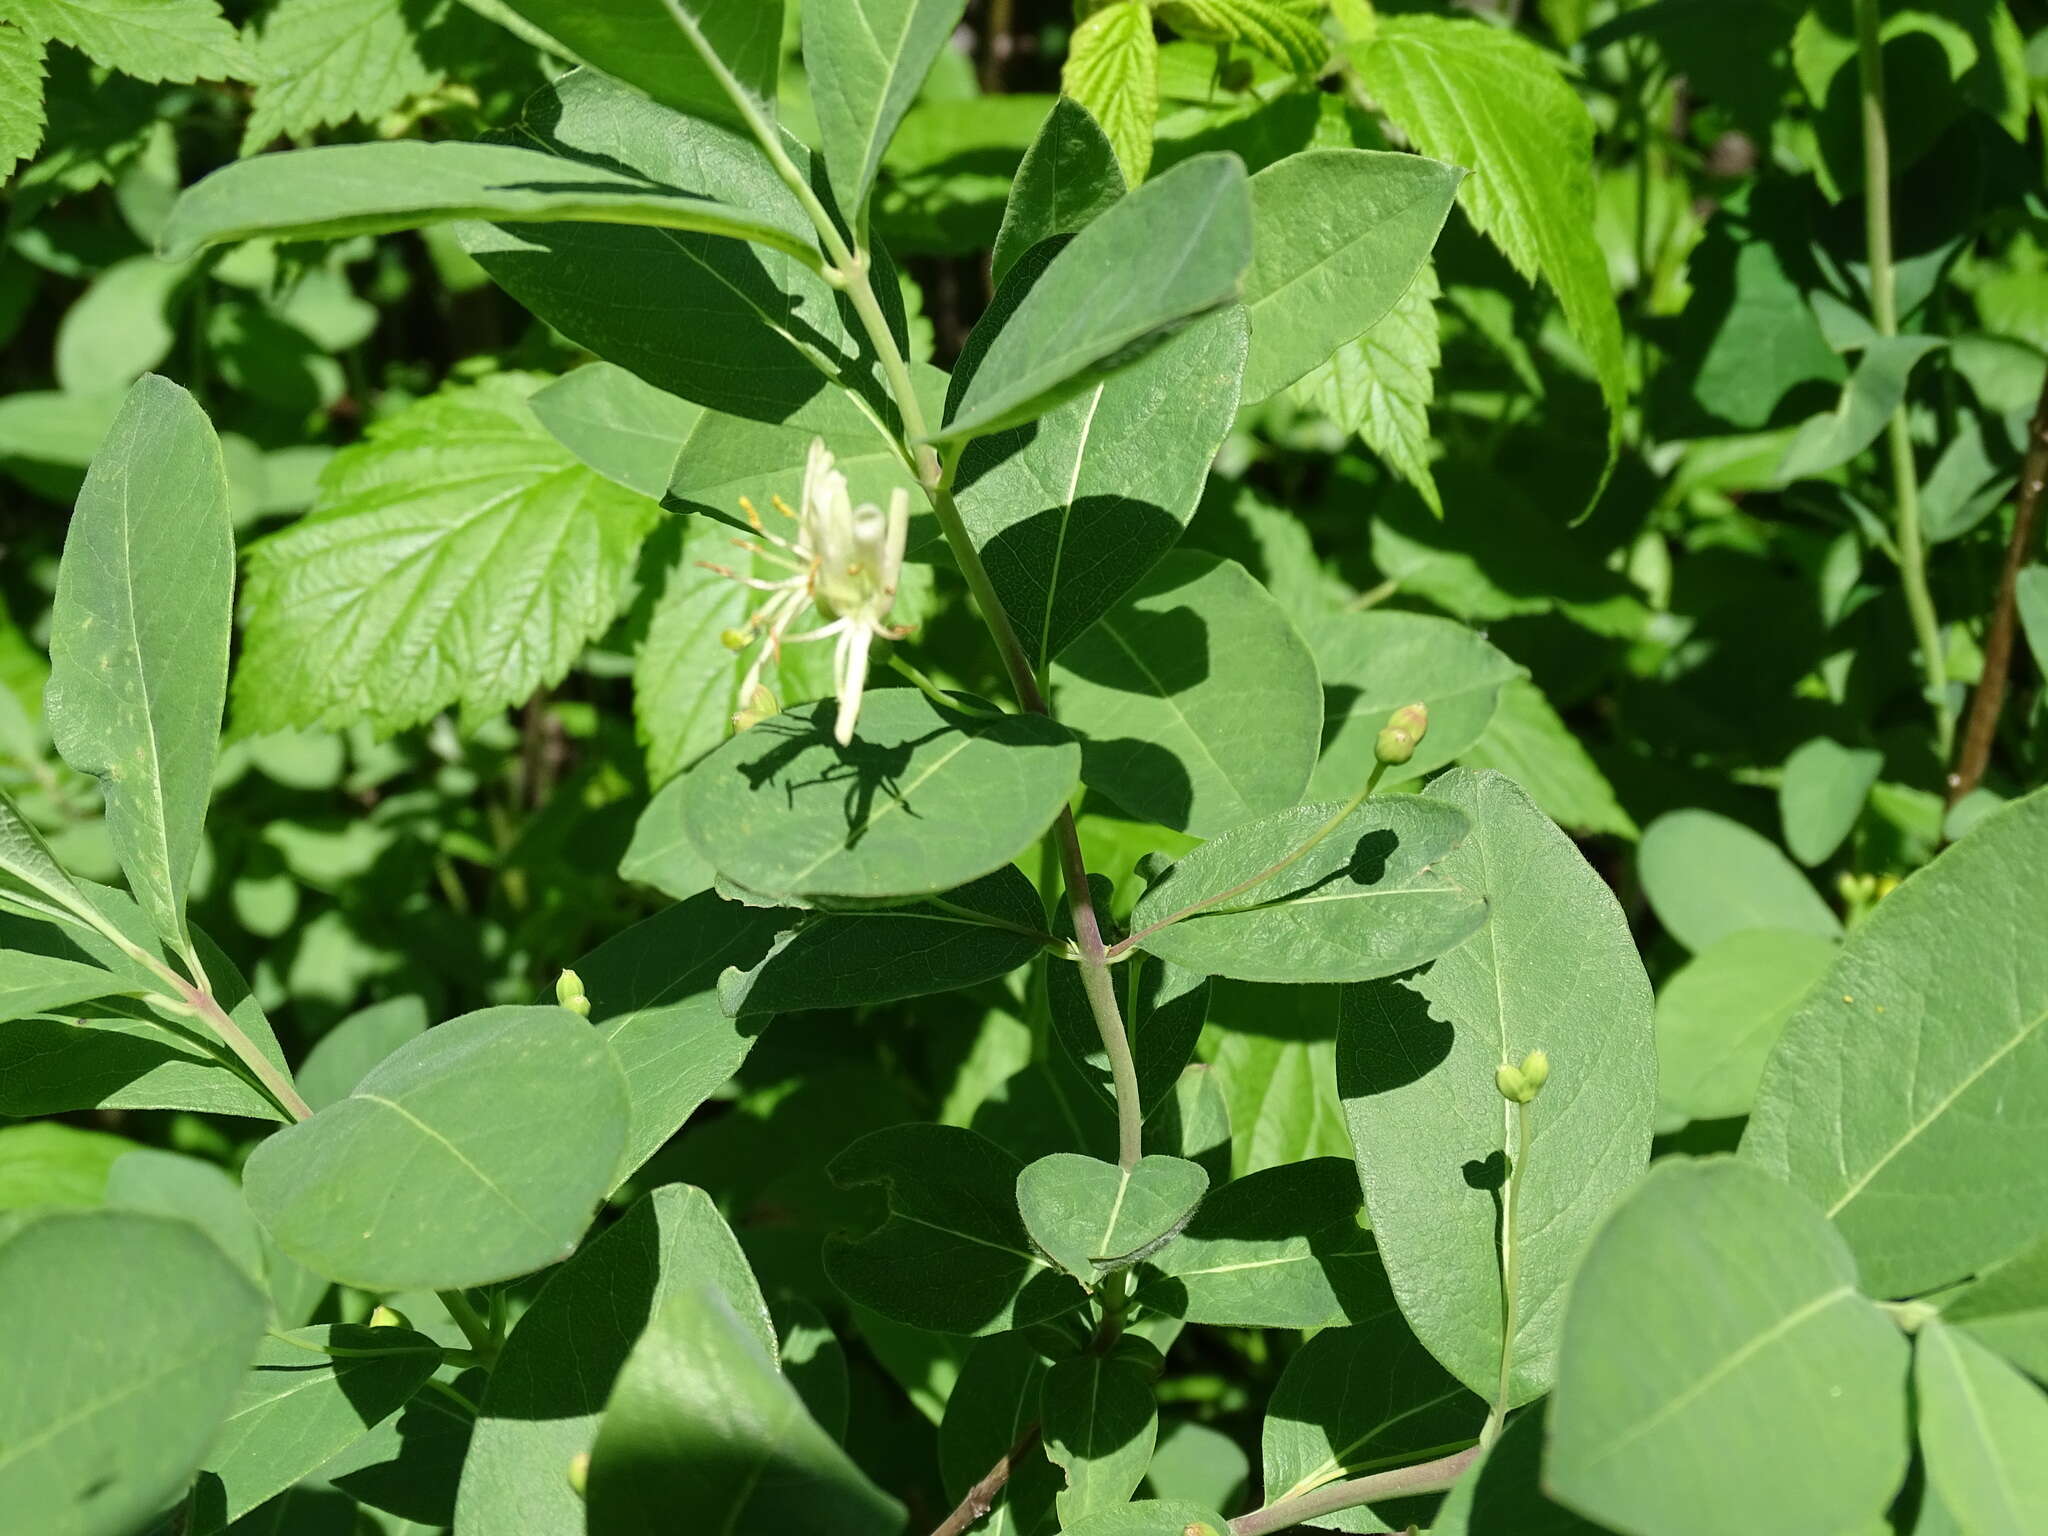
{"x": 981, "y": 1498}
{"x": 1424, "y": 1477}
{"x": 1980, "y": 728}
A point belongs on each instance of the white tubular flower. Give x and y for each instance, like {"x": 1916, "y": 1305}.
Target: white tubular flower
{"x": 846, "y": 560}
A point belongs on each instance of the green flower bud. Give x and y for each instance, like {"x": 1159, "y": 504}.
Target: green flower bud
{"x": 1402, "y": 734}
{"x": 1535, "y": 1071}
{"x": 579, "y": 1473}
{"x": 389, "y": 1317}
{"x": 735, "y": 639}
{"x": 1512, "y": 1085}
{"x": 569, "y": 993}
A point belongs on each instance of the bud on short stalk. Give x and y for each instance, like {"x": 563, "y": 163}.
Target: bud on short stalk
{"x": 1401, "y": 735}
{"x": 1520, "y": 1085}
{"x": 569, "y": 993}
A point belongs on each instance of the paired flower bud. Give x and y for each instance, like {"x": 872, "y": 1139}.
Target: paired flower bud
{"x": 1402, "y": 734}
{"x": 388, "y": 1317}
{"x": 569, "y": 993}
{"x": 1520, "y": 1085}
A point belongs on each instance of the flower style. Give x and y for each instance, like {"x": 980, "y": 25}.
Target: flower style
{"x": 847, "y": 560}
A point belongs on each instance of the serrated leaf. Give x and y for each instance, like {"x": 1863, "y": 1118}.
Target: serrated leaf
{"x": 1287, "y": 31}
{"x": 1482, "y": 97}
{"x": 1338, "y": 237}
{"x": 1527, "y": 741}
{"x": 150, "y": 39}
{"x": 1720, "y": 1015}
{"x": 1708, "y": 877}
{"x": 341, "y": 190}
{"x": 953, "y": 1255}
{"x": 462, "y": 508}
{"x": 1921, "y": 1060}
{"x": 866, "y": 61}
{"x": 474, "y": 1154}
{"x": 1556, "y": 970}
{"x": 1719, "y": 1370}
{"x": 923, "y": 800}
{"x": 1068, "y": 176}
{"x": 98, "y": 1441}
{"x": 1095, "y": 1218}
{"x": 1381, "y": 386}
{"x": 1101, "y": 1423}
{"x": 1195, "y": 698}
{"x": 299, "y": 1407}
{"x": 1366, "y": 901}
{"x": 1082, "y": 320}
{"x": 714, "y": 59}
{"x": 139, "y": 638}
{"x": 549, "y": 1386}
{"x": 1981, "y": 1425}
{"x": 21, "y": 96}
{"x": 327, "y": 62}
{"x": 1112, "y": 71}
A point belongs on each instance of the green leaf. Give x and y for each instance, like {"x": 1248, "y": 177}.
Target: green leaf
{"x": 1100, "y": 1425}
{"x": 1280, "y": 1249}
{"x": 1357, "y": 1400}
{"x": 1527, "y": 741}
{"x": 1112, "y": 72}
{"x": 541, "y": 1409}
{"x": 1503, "y": 1493}
{"x": 1195, "y": 699}
{"x": 1480, "y": 96}
{"x": 621, "y": 426}
{"x": 43, "y": 983}
{"x": 1719, "y": 1370}
{"x": 120, "y": 328}
{"x": 810, "y": 1356}
{"x": 701, "y": 1419}
{"x": 1273, "y": 1056}
{"x": 981, "y": 931}
{"x": 1286, "y": 31}
{"x": 21, "y": 96}
{"x": 2006, "y": 1307}
{"x": 1365, "y": 902}
{"x": 1982, "y": 1425}
{"x": 1374, "y": 663}
{"x": 1719, "y": 1017}
{"x": 31, "y": 879}
{"x": 342, "y": 190}
{"x": 1381, "y": 385}
{"x": 327, "y": 62}
{"x": 139, "y": 638}
{"x": 171, "y": 1184}
{"x": 954, "y": 1255}
{"x": 128, "y": 1336}
{"x": 1163, "y": 1008}
{"x": 1152, "y": 1517}
{"x": 1822, "y": 795}
{"x": 1920, "y": 1061}
{"x": 474, "y": 1154}
{"x": 1338, "y": 237}
{"x": 343, "y": 1056}
{"x": 458, "y": 557}
{"x": 1082, "y": 321}
{"x": 1069, "y": 176}
{"x": 1875, "y": 390}
{"x": 924, "y": 799}
{"x": 2031, "y": 590}
{"x": 1070, "y": 512}
{"x": 408, "y": 1466}
{"x": 996, "y": 1399}
{"x": 1708, "y": 877}
{"x": 299, "y": 1407}
{"x": 866, "y": 61}
{"x": 1555, "y": 969}
{"x": 47, "y": 1164}
{"x": 715, "y": 59}
{"x": 1094, "y": 1218}
{"x": 149, "y": 39}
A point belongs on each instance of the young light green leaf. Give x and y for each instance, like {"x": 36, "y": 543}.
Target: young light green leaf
{"x": 474, "y": 1154}
{"x": 300, "y": 1406}
{"x": 1921, "y": 1060}
{"x": 1707, "y": 877}
{"x": 1874, "y": 391}
{"x": 924, "y": 799}
{"x": 714, "y": 59}
{"x": 1374, "y": 663}
{"x": 1338, "y": 237}
{"x": 1719, "y": 1370}
{"x": 954, "y": 1255}
{"x": 343, "y": 1056}
{"x": 21, "y": 95}
{"x": 1286, "y": 31}
{"x": 701, "y": 1419}
{"x": 49, "y": 1165}
{"x": 1112, "y": 72}
{"x": 1094, "y": 1218}
{"x": 1068, "y": 177}
{"x": 1527, "y": 741}
{"x": 1822, "y": 794}
{"x": 1720, "y": 1015}
{"x": 99, "y": 1441}
{"x": 1483, "y": 97}
{"x": 1195, "y": 699}
{"x": 541, "y": 1409}
{"x": 139, "y": 638}
{"x": 1100, "y": 1425}
{"x": 1367, "y": 901}
{"x": 1382, "y": 385}
{"x": 465, "y": 508}
{"x": 340, "y": 190}
{"x": 1083, "y": 319}
{"x": 2006, "y": 1307}
{"x": 1555, "y": 969}
{"x": 1982, "y": 1425}
{"x": 180, "y": 40}
{"x": 1360, "y": 1399}
{"x": 866, "y": 60}
{"x": 326, "y": 62}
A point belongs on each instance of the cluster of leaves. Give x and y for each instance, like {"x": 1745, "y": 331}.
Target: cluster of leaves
{"x": 1124, "y": 1090}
